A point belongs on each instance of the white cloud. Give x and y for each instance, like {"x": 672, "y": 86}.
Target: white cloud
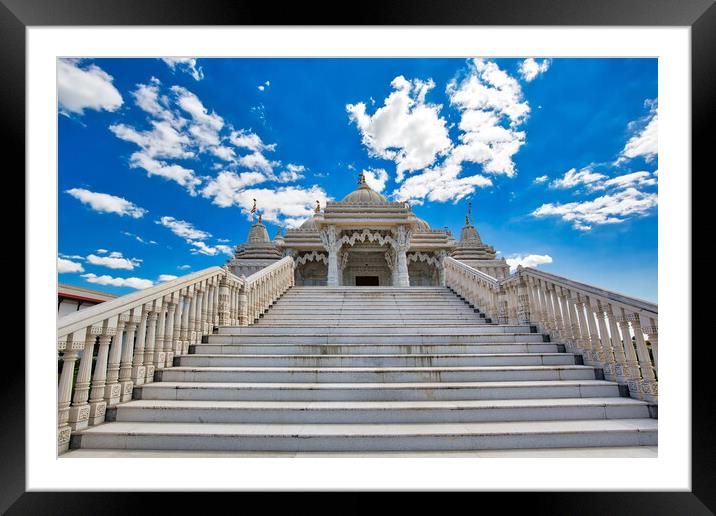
{"x": 257, "y": 161}
{"x": 80, "y": 88}
{"x": 101, "y": 251}
{"x": 185, "y": 64}
{"x": 376, "y": 178}
{"x": 166, "y": 277}
{"x": 645, "y": 142}
{"x": 288, "y": 205}
{"x": 114, "y": 260}
{"x": 106, "y": 203}
{"x": 247, "y": 140}
{"x": 162, "y": 141}
{"x": 529, "y": 68}
{"x": 541, "y": 179}
{"x": 642, "y": 178}
{"x": 64, "y": 266}
{"x": 292, "y": 173}
{"x": 184, "y": 267}
{"x": 223, "y": 189}
{"x": 440, "y": 184}
{"x": 190, "y": 103}
{"x": 136, "y": 283}
{"x": 572, "y": 178}
{"x": 173, "y": 172}
{"x": 530, "y": 260}
{"x": 138, "y": 238}
{"x": 405, "y": 129}
{"x": 203, "y": 248}
{"x": 183, "y": 229}
{"x": 71, "y": 257}
{"x": 612, "y": 208}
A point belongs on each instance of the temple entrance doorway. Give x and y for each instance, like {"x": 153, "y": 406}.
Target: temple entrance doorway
{"x": 367, "y": 281}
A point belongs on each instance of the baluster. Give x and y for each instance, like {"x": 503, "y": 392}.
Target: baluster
{"x": 606, "y": 343}
{"x": 64, "y": 391}
{"x": 113, "y": 389}
{"x": 149, "y": 363}
{"x": 523, "y": 304}
{"x": 243, "y": 307}
{"x": 125, "y": 367}
{"x": 176, "y": 335}
{"x": 224, "y": 302}
{"x": 168, "y": 347}
{"x": 648, "y": 382}
{"x": 139, "y": 371}
{"x": 98, "y": 405}
{"x": 186, "y": 319}
{"x": 631, "y": 369}
{"x": 620, "y": 359}
{"x": 160, "y": 357}
{"x": 595, "y": 345}
{"x": 79, "y": 412}
{"x": 210, "y": 308}
{"x": 585, "y": 342}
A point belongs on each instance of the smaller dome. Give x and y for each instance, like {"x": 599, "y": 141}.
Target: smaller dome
{"x": 469, "y": 234}
{"x": 364, "y": 194}
{"x": 422, "y": 225}
{"x": 278, "y": 239}
{"x": 310, "y": 225}
{"x": 258, "y": 234}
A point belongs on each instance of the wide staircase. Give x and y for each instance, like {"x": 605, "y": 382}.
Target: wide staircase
{"x": 374, "y": 369}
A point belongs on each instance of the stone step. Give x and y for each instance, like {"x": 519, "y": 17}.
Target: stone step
{"x": 323, "y": 338}
{"x": 365, "y": 360}
{"x": 340, "y": 318}
{"x": 384, "y": 328}
{"x": 358, "y": 303}
{"x": 430, "y": 391}
{"x": 368, "y": 437}
{"x": 374, "y": 374}
{"x": 368, "y": 311}
{"x": 392, "y": 325}
{"x": 312, "y": 412}
{"x": 290, "y": 347}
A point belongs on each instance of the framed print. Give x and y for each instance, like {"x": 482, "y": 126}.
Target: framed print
{"x": 420, "y": 251}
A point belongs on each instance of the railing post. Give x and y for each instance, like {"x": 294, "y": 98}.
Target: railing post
{"x": 224, "y": 313}
{"x": 186, "y": 319}
{"x": 149, "y": 365}
{"x": 64, "y": 391}
{"x": 169, "y": 333}
{"x": 620, "y": 359}
{"x": 523, "y": 303}
{"x": 160, "y": 358}
{"x": 113, "y": 389}
{"x": 585, "y": 342}
{"x": 79, "y": 412}
{"x": 98, "y": 405}
{"x": 606, "y": 343}
{"x": 597, "y": 355}
{"x": 631, "y": 368}
{"x": 648, "y": 386}
{"x": 125, "y": 367}
{"x": 243, "y": 306}
{"x": 176, "y": 332}
{"x": 139, "y": 371}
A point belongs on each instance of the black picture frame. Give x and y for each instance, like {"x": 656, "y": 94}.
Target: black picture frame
{"x": 700, "y": 15}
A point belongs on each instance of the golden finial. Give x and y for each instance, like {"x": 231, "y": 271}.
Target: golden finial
{"x": 259, "y": 218}
{"x": 361, "y": 178}
{"x": 318, "y": 207}
{"x": 467, "y": 215}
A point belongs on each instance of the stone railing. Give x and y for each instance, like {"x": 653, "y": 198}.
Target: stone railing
{"x": 139, "y": 333}
{"x": 613, "y": 332}
{"x": 261, "y": 289}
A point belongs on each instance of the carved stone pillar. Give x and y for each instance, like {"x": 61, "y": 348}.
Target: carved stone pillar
{"x": 176, "y": 335}
{"x": 149, "y": 345}
{"x": 243, "y": 306}
{"x": 125, "y": 367}
{"x": 169, "y": 335}
{"x": 139, "y": 371}
{"x": 160, "y": 357}
{"x": 607, "y": 349}
{"x": 401, "y": 237}
{"x": 79, "y": 412}
{"x": 64, "y": 392}
{"x": 98, "y": 406}
{"x": 113, "y": 389}
{"x": 332, "y": 244}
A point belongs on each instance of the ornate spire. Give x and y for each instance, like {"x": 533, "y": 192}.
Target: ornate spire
{"x": 260, "y": 218}
{"x": 318, "y": 207}
{"x": 361, "y": 179}
{"x": 469, "y": 212}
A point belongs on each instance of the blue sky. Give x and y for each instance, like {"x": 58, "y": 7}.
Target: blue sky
{"x": 159, "y": 160}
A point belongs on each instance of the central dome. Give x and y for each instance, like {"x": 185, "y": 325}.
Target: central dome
{"x": 364, "y": 194}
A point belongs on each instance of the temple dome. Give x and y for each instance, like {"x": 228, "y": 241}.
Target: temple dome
{"x": 364, "y": 194}
{"x": 422, "y": 225}
{"x": 310, "y": 225}
{"x": 258, "y": 234}
{"x": 469, "y": 234}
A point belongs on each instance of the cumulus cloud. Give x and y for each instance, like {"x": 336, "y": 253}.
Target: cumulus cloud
{"x": 292, "y": 173}
{"x": 66, "y": 266}
{"x": 183, "y": 229}
{"x": 440, "y": 184}
{"x": 173, "y": 172}
{"x": 286, "y": 206}
{"x": 136, "y": 283}
{"x": 88, "y": 87}
{"x": 247, "y": 140}
{"x": 184, "y": 267}
{"x": 106, "y": 203}
{"x": 137, "y": 238}
{"x": 540, "y": 179}
{"x": 613, "y": 208}
{"x": 405, "y": 129}
{"x": 645, "y": 141}
{"x": 529, "y": 68}
{"x": 376, "y": 178}
{"x": 263, "y": 86}
{"x": 114, "y": 260}
{"x": 202, "y": 248}
{"x": 166, "y": 277}
{"x": 572, "y": 178}
{"x": 530, "y": 260}
{"x": 185, "y": 64}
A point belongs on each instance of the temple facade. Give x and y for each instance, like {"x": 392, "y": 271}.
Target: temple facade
{"x": 366, "y": 240}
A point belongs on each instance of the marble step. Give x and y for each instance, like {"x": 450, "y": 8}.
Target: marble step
{"x": 290, "y": 347}
{"x": 368, "y": 437}
{"x": 312, "y": 412}
{"x": 374, "y": 374}
{"x": 425, "y": 391}
{"x": 392, "y": 324}
{"x": 383, "y": 328}
{"x": 324, "y": 338}
{"x": 368, "y": 311}
{"x": 349, "y": 318}
{"x": 365, "y": 360}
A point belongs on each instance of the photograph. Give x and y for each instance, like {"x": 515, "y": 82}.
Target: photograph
{"x": 391, "y": 257}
